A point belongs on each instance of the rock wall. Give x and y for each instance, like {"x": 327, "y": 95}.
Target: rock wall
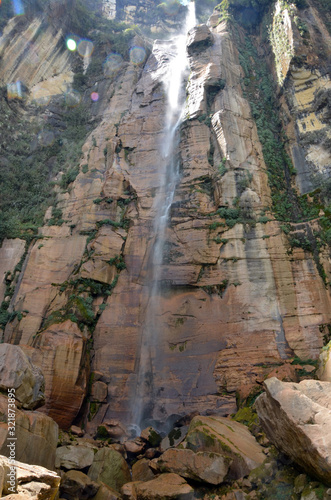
{"x": 235, "y": 302}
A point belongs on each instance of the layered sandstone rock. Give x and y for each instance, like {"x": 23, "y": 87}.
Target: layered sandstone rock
{"x": 226, "y": 438}
{"x": 33, "y": 481}
{"x": 61, "y": 354}
{"x": 30, "y": 426}
{"x": 296, "y": 418}
{"x": 207, "y": 467}
{"x": 234, "y": 303}
{"x": 18, "y": 373}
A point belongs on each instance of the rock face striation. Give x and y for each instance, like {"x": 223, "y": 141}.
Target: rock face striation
{"x": 296, "y": 418}
{"x": 33, "y": 482}
{"x": 237, "y": 299}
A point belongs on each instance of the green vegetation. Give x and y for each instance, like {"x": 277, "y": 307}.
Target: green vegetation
{"x": 29, "y": 164}
{"x": 118, "y": 262}
{"x": 79, "y": 305}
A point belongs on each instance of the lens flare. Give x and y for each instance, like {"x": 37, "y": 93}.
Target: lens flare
{"x": 95, "y": 96}
{"x": 112, "y": 64}
{"x": 85, "y": 48}
{"x": 137, "y": 55}
{"x": 18, "y": 7}
{"x": 71, "y": 44}
{"x": 73, "y": 98}
{"x": 14, "y": 90}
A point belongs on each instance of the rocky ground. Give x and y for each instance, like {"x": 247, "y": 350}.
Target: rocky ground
{"x": 277, "y": 447}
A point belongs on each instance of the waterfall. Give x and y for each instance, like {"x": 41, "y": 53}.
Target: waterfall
{"x": 172, "y": 54}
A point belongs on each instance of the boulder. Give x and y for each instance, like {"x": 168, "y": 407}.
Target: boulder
{"x": 151, "y": 436}
{"x": 99, "y": 391}
{"x": 141, "y": 471}
{"x": 74, "y": 457}
{"x": 17, "y": 372}
{"x": 110, "y": 467}
{"x": 297, "y": 419}
{"x": 134, "y": 446}
{"x": 199, "y": 37}
{"x": 106, "y": 493}
{"x": 128, "y": 491}
{"x": 174, "y": 438}
{"x": 114, "y": 428}
{"x": 202, "y": 466}
{"x": 36, "y": 434}
{"x": 166, "y": 486}
{"x": 227, "y": 438}
{"x": 324, "y": 364}
{"x": 31, "y": 481}
{"x": 77, "y": 486}
{"x": 77, "y": 431}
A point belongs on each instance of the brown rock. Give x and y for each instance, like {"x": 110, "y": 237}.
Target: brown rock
{"x": 141, "y": 470}
{"x": 151, "y": 436}
{"x": 18, "y": 373}
{"x": 256, "y": 305}
{"x": 206, "y": 467}
{"x": 128, "y": 491}
{"x": 106, "y": 493}
{"x": 61, "y": 356}
{"x": 32, "y": 481}
{"x": 30, "y": 425}
{"x": 74, "y": 457}
{"x": 115, "y": 428}
{"x": 52, "y": 263}
{"x": 296, "y": 418}
{"x": 227, "y": 438}
{"x": 76, "y": 485}
{"x": 174, "y": 438}
{"x": 199, "y": 37}
{"x": 110, "y": 467}
{"x": 164, "y": 487}
{"x": 99, "y": 391}
{"x": 135, "y": 446}
{"x": 77, "y": 431}
{"x": 150, "y": 453}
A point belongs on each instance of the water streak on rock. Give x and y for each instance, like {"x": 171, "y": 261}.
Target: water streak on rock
{"x": 172, "y": 55}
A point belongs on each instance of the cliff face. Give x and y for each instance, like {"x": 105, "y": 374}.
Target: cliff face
{"x": 244, "y": 287}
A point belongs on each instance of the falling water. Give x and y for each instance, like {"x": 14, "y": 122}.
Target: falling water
{"x": 174, "y": 52}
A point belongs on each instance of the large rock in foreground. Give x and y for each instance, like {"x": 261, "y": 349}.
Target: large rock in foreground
{"x": 36, "y": 434}
{"x": 202, "y": 466}
{"x": 32, "y": 481}
{"x": 227, "y": 438}
{"x": 297, "y": 419}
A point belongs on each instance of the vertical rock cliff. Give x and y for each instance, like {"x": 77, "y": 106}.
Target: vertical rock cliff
{"x": 246, "y": 267}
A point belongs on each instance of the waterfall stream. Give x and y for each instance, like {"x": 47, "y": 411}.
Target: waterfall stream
{"x": 171, "y": 53}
